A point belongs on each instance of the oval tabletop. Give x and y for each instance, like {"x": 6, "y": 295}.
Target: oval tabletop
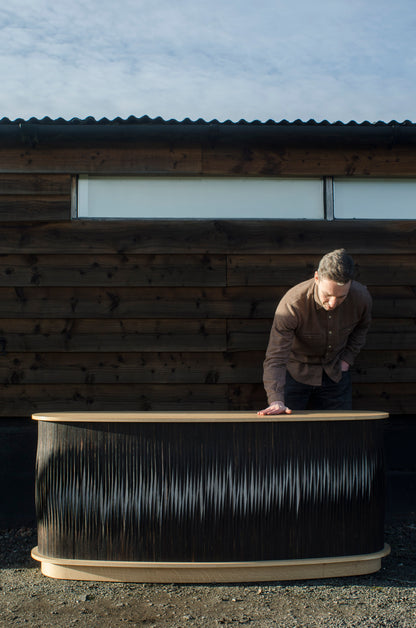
{"x": 202, "y": 416}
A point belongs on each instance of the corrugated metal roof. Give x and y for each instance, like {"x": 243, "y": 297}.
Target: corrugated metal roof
{"x": 90, "y": 120}
{"x": 270, "y": 134}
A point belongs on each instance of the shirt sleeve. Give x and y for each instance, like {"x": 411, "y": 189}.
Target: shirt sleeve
{"x": 357, "y": 337}
{"x": 278, "y": 351}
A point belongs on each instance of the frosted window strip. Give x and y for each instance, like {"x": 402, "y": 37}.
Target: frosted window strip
{"x": 199, "y": 197}
{"x": 382, "y": 199}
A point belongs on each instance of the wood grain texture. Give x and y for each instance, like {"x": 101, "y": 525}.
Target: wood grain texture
{"x": 177, "y": 367}
{"x": 310, "y": 162}
{"x": 41, "y": 208}
{"x": 270, "y": 237}
{"x": 112, "y": 160}
{"x": 113, "y": 270}
{"x": 39, "y": 197}
{"x": 161, "y": 302}
{"x": 256, "y": 571}
{"x": 269, "y": 270}
{"x": 29, "y": 184}
{"x": 191, "y": 270}
{"x": 98, "y": 367}
{"x": 210, "y": 161}
{"x": 111, "y": 335}
{"x": 23, "y": 400}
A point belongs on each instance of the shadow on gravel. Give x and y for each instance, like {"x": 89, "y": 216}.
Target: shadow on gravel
{"x": 15, "y": 548}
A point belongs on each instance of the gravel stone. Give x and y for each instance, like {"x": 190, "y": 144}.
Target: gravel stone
{"x": 386, "y": 599}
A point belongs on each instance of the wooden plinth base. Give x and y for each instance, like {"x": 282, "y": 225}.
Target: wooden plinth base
{"x": 198, "y": 573}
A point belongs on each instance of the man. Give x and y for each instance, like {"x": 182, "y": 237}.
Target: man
{"x": 319, "y": 328}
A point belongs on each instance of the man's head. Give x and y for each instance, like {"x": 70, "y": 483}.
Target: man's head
{"x": 333, "y": 278}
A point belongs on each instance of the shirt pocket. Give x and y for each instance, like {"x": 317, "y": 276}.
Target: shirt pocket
{"x": 310, "y": 343}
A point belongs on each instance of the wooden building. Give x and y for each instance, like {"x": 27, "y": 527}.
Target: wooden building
{"x": 113, "y": 310}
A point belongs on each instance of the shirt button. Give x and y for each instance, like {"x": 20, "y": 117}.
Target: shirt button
{"x": 329, "y": 347}
{"x": 330, "y": 332}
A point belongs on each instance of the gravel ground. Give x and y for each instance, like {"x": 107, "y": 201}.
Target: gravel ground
{"x": 384, "y": 599}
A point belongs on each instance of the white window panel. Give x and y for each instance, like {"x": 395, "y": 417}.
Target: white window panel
{"x": 199, "y": 197}
{"x": 385, "y": 199}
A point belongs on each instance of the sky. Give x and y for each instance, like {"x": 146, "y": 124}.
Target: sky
{"x": 212, "y": 59}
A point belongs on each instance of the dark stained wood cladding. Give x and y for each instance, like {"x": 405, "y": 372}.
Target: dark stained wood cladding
{"x": 150, "y": 367}
{"x": 140, "y": 315}
{"x": 110, "y": 160}
{"x": 209, "y": 237}
{"x": 399, "y": 161}
{"x": 111, "y": 270}
{"x": 270, "y": 270}
{"x": 189, "y": 303}
{"x": 210, "y": 161}
{"x": 111, "y": 335}
{"x": 34, "y": 197}
{"x": 40, "y": 207}
{"x": 30, "y": 184}
{"x": 188, "y": 270}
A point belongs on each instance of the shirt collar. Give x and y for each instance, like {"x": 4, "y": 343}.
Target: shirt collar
{"x": 313, "y": 291}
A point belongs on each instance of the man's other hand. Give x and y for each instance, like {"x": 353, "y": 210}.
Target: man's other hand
{"x": 277, "y": 407}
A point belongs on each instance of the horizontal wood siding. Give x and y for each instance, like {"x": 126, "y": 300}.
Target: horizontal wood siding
{"x": 113, "y": 269}
{"x": 34, "y": 197}
{"x": 210, "y": 161}
{"x": 170, "y": 315}
{"x": 209, "y": 237}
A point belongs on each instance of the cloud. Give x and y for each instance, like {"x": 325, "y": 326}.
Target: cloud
{"x": 330, "y": 59}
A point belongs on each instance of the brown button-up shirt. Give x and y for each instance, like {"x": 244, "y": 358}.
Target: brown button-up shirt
{"x": 306, "y": 339}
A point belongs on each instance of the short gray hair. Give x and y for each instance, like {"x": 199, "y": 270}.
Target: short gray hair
{"x": 337, "y": 266}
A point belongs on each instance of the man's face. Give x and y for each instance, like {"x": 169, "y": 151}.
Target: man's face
{"x": 331, "y": 294}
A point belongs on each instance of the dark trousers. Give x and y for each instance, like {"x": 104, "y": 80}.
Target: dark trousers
{"x": 330, "y": 396}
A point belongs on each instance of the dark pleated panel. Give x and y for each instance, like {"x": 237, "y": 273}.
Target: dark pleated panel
{"x": 209, "y": 491}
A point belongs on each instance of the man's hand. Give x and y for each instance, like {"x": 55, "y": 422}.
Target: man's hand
{"x": 344, "y": 366}
{"x": 277, "y": 407}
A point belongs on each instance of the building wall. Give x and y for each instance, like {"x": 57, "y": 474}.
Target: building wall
{"x": 140, "y": 315}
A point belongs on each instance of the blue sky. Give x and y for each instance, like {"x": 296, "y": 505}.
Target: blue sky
{"x": 272, "y": 59}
